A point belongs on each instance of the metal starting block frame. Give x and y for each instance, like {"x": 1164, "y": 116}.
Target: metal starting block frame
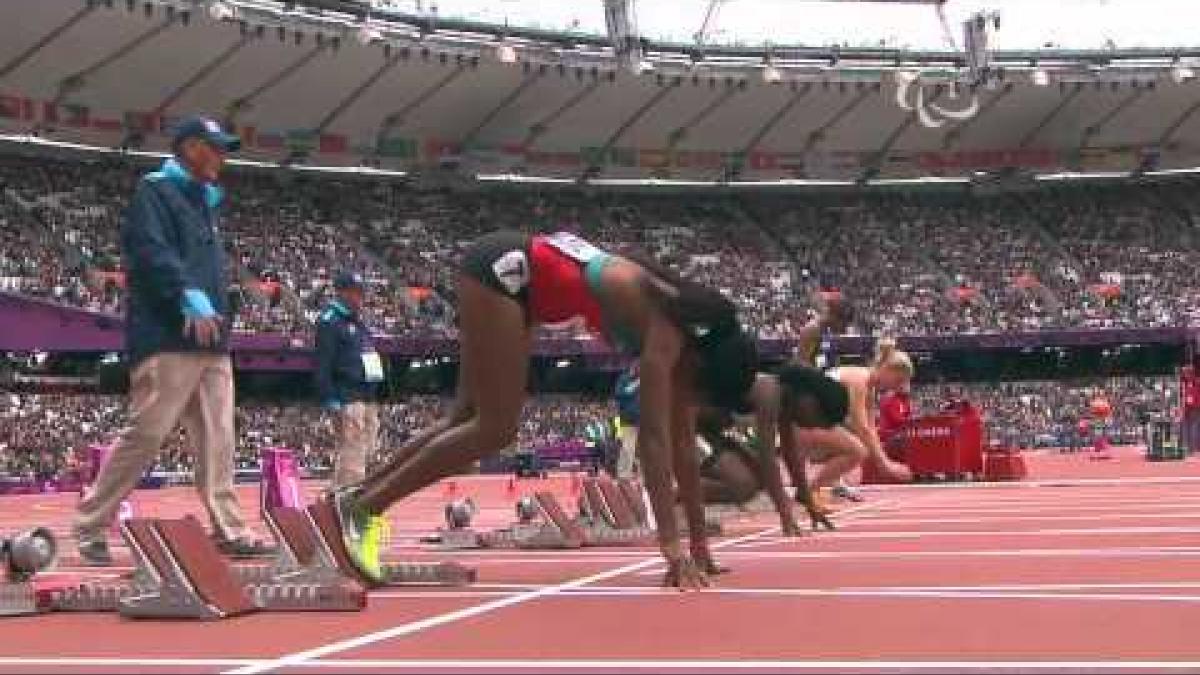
{"x": 180, "y": 574}
{"x": 551, "y": 530}
{"x": 319, "y": 544}
{"x": 613, "y": 513}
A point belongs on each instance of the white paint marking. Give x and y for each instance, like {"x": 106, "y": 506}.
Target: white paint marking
{"x": 298, "y": 658}
{"x": 609, "y": 665}
{"x": 655, "y": 665}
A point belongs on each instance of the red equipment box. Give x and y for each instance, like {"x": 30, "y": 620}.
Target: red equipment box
{"x": 950, "y": 444}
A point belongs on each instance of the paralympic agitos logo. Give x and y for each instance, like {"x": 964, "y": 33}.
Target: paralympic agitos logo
{"x": 912, "y": 95}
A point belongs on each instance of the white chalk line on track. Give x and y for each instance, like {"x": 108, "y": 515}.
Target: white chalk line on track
{"x": 609, "y": 665}
{"x": 1067, "y": 592}
{"x": 308, "y": 656}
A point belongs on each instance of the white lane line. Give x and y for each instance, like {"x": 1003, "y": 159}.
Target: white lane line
{"x": 922, "y": 534}
{"x": 1051, "y": 507}
{"x": 906, "y": 556}
{"x": 298, "y": 658}
{"x": 1149, "y": 515}
{"x": 1070, "y": 592}
{"x": 655, "y": 665}
{"x": 609, "y": 665}
{"x": 131, "y": 662}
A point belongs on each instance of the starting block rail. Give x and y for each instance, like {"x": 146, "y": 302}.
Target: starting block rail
{"x": 328, "y": 552}
{"x": 180, "y": 574}
{"x": 553, "y": 529}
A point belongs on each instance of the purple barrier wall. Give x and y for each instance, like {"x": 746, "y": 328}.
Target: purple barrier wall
{"x": 27, "y": 324}
{"x": 573, "y": 450}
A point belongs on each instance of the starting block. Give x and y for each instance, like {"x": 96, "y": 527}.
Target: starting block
{"x": 180, "y": 574}
{"x": 315, "y": 538}
{"x": 543, "y": 525}
{"x": 613, "y": 514}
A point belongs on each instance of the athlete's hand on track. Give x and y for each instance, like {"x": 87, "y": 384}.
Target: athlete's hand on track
{"x": 820, "y": 520}
{"x": 707, "y": 564}
{"x": 683, "y": 573}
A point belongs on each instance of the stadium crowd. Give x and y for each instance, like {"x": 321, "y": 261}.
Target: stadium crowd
{"x": 1079, "y": 256}
{"x": 913, "y": 263}
{"x": 42, "y": 434}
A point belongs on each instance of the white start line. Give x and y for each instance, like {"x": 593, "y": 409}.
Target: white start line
{"x": 311, "y": 655}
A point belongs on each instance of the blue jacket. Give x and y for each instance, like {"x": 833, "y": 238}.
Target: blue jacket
{"x": 342, "y": 339}
{"x": 171, "y": 242}
{"x": 628, "y": 385}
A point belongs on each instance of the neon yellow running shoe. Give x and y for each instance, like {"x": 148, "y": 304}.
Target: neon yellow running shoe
{"x": 363, "y": 534}
{"x": 375, "y": 537}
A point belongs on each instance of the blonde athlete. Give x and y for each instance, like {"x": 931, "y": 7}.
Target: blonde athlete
{"x": 842, "y": 449}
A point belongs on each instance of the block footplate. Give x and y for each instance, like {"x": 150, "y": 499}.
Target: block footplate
{"x": 614, "y": 515}
{"x": 323, "y": 548}
{"x": 180, "y": 574}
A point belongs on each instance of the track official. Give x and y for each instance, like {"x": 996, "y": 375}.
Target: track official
{"x": 177, "y": 337}
{"x": 349, "y": 375}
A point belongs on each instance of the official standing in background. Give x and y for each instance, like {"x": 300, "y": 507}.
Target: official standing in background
{"x": 349, "y": 374}
{"x": 628, "y": 413}
{"x": 177, "y": 337}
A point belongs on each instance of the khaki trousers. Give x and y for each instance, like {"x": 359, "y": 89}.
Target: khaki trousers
{"x": 164, "y": 390}
{"x": 627, "y": 459}
{"x": 358, "y": 441}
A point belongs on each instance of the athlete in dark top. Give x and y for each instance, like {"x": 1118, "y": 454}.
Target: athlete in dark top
{"x": 692, "y": 351}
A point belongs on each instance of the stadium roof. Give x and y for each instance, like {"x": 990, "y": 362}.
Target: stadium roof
{"x": 411, "y": 91}
{"x": 911, "y": 24}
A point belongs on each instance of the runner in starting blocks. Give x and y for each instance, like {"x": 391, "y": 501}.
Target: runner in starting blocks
{"x": 309, "y": 546}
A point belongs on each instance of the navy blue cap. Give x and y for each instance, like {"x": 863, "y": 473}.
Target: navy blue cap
{"x": 207, "y": 129}
{"x": 345, "y": 280}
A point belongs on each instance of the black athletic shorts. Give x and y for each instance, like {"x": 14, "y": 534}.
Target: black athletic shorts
{"x": 722, "y": 446}
{"x": 500, "y": 261}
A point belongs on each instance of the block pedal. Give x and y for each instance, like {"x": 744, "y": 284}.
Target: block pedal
{"x": 318, "y": 545}
{"x": 188, "y": 578}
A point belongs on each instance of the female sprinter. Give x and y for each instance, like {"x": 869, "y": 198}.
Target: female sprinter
{"x": 734, "y": 469}
{"x": 841, "y": 449}
{"x": 793, "y": 400}
{"x": 691, "y": 348}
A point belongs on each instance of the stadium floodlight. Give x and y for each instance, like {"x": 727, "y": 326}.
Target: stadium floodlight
{"x": 506, "y": 53}
{"x": 1039, "y": 77}
{"x": 222, "y": 11}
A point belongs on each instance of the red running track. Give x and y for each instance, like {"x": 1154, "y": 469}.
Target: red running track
{"x": 1065, "y": 575}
